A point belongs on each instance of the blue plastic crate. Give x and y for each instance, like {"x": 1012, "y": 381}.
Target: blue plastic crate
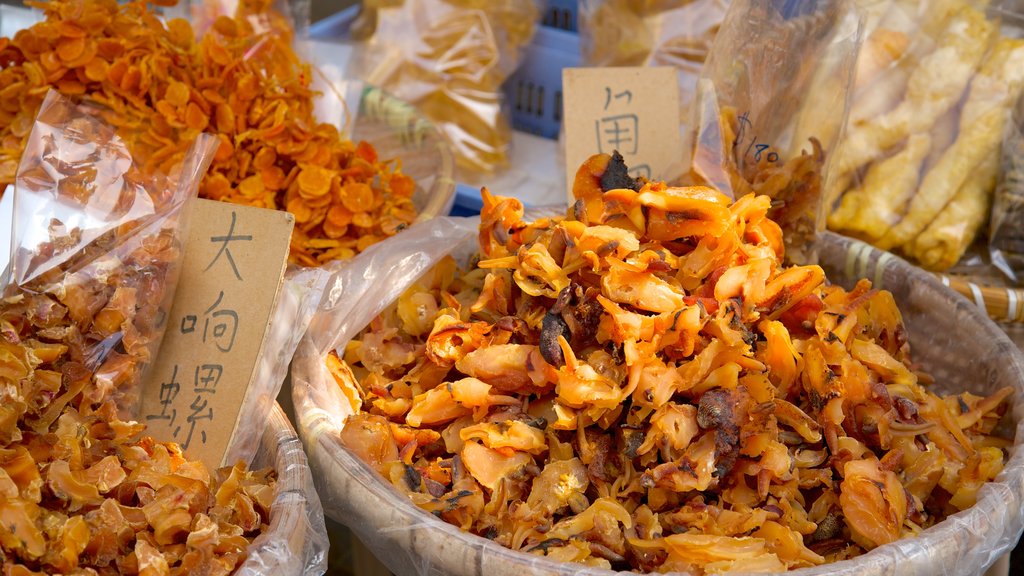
{"x": 562, "y": 14}
{"x": 534, "y": 92}
{"x": 467, "y": 201}
{"x": 335, "y": 26}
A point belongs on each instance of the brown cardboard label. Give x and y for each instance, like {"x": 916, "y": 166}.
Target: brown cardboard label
{"x": 230, "y": 279}
{"x": 632, "y": 110}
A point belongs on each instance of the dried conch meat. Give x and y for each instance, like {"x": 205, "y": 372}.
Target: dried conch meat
{"x": 643, "y": 385}
{"x": 81, "y": 490}
{"x": 241, "y": 81}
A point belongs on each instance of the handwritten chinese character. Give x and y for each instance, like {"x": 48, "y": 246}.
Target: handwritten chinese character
{"x": 225, "y": 249}
{"x": 188, "y": 323}
{"x": 624, "y": 94}
{"x": 201, "y": 410}
{"x": 207, "y": 377}
{"x": 225, "y": 325}
{"x": 618, "y": 133}
{"x": 168, "y": 392}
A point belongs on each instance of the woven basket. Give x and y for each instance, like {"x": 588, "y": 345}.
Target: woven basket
{"x": 949, "y": 336}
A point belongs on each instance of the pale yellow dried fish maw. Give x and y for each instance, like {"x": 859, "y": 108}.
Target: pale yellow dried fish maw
{"x": 879, "y": 203}
{"x": 946, "y": 239}
{"x": 934, "y": 87}
{"x": 880, "y": 50}
{"x": 982, "y": 119}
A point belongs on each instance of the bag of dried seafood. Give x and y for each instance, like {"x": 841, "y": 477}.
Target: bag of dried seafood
{"x": 642, "y": 384}
{"x": 769, "y": 106}
{"x": 651, "y": 33}
{"x": 1006, "y": 227}
{"x": 449, "y": 58}
{"x": 98, "y": 241}
{"x": 933, "y": 94}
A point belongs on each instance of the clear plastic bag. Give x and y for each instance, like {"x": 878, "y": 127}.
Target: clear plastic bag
{"x": 652, "y": 33}
{"x": 1006, "y": 227}
{"x": 297, "y": 302}
{"x": 770, "y": 105}
{"x": 449, "y": 58}
{"x": 296, "y": 542}
{"x": 411, "y": 541}
{"x": 934, "y": 90}
{"x": 93, "y": 223}
{"x": 99, "y": 239}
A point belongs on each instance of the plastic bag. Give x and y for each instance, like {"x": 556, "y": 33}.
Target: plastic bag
{"x": 287, "y": 17}
{"x": 299, "y": 295}
{"x": 99, "y": 241}
{"x": 934, "y": 90}
{"x": 296, "y": 542}
{"x": 411, "y": 541}
{"x": 770, "y": 105}
{"x": 1006, "y": 228}
{"x": 94, "y": 222}
{"x": 652, "y": 33}
{"x": 449, "y": 58}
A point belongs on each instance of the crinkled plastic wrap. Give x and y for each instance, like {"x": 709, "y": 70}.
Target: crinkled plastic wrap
{"x": 651, "y": 33}
{"x": 296, "y": 542}
{"x": 950, "y": 338}
{"x": 86, "y": 207}
{"x": 935, "y": 87}
{"x": 770, "y": 105}
{"x": 1006, "y": 227}
{"x": 449, "y": 58}
{"x": 295, "y": 307}
{"x": 294, "y": 14}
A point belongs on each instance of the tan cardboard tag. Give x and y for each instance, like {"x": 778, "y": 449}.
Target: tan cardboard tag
{"x": 230, "y": 279}
{"x": 632, "y": 110}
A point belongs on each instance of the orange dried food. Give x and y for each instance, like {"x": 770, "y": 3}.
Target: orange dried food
{"x": 82, "y": 489}
{"x": 605, "y": 391}
{"x": 241, "y": 81}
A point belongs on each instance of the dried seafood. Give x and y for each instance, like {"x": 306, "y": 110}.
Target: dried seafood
{"x": 242, "y": 81}
{"x": 643, "y": 385}
{"x": 81, "y": 489}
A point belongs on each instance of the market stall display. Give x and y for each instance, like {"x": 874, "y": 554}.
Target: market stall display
{"x": 241, "y": 81}
{"x": 593, "y": 393}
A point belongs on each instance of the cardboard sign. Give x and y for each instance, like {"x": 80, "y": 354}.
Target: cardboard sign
{"x": 632, "y": 110}
{"x": 230, "y": 279}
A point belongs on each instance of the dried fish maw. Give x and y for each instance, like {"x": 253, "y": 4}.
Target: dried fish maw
{"x": 879, "y": 203}
{"x": 993, "y": 92}
{"x": 933, "y": 87}
{"x": 947, "y": 237}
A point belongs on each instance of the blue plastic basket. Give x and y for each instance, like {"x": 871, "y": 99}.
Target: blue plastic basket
{"x": 534, "y": 92}
{"x": 562, "y": 14}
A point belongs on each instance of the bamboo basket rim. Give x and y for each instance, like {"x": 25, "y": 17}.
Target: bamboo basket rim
{"x": 1003, "y": 304}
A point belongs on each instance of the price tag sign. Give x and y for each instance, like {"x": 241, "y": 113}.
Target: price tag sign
{"x": 634, "y": 111}
{"x": 230, "y": 280}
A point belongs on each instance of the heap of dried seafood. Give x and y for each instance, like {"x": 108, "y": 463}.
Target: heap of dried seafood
{"x": 643, "y": 385}
{"x": 242, "y": 81}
